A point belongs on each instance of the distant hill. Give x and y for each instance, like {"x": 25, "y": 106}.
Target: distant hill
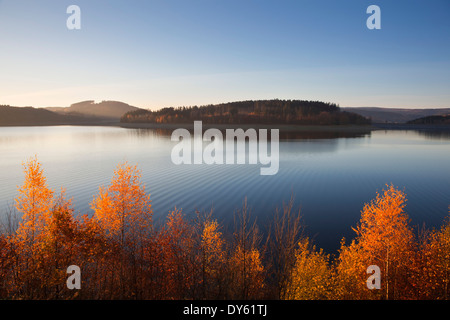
{"x": 86, "y": 112}
{"x": 295, "y": 112}
{"x": 435, "y": 120}
{"x": 26, "y": 116}
{"x": 395, "y": 115}
{"x": 106, "y": 109}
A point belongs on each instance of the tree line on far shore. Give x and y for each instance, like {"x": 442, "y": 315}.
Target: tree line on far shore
{"x": 293, "y": 112}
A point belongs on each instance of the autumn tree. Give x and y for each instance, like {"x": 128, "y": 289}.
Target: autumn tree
{"x": 285, "y": 233}
{"x": 178, "y": 243}
{"x": 213, "y": 259}
{"x": 434, "y": 280}
{"x": 246, "y": 267}
{"x": 59, "y": 248}
{"x": 311, "y": 277}
{"x": 350, "y": 273}
{"x": 34, "y": 202}
{"x": 8, "y": 230}
{"x": 95, "y": 255}
{"x": 5, "y": 267}
{"x": 384, "y": 238}
{"x": 43, "y": 245}
{"x": 124, "y": 210}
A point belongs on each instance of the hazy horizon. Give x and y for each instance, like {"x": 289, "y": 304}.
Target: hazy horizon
{"x": 199, "y": 105}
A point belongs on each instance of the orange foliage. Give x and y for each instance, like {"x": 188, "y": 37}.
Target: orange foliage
{"x": 124, "y": 208}
{"x": 180, "y": 264}
{"x": 125, "y": 214}
{"x": 434, "y": 282}
{"x": 5, "y": 266}
{"x": 34, "y": 201}
{"x": 123, "y": 256}
{"x": 385, "y": 239}
{"x": 43, "y": 244}
{"x": 247, "y": 274}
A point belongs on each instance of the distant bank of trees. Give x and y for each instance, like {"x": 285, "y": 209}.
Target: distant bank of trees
{"x": 252, "y": 112}
{"x": 432, "y": 120}
{"x": 122, "y": 254}
{"x": 26, "y": 116}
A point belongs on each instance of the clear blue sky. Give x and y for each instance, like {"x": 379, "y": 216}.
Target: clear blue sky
{"x": 154, "y": 54}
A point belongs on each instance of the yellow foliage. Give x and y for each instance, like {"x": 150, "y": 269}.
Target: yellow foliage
{"x": 311, "y": 277}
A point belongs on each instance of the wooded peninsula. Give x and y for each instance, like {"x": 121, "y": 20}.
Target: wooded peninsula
{"x": 293, "y": 112}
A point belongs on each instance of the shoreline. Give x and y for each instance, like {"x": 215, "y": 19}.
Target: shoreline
{"x": 281, "y": 127}
{"x": 286, "y": 128}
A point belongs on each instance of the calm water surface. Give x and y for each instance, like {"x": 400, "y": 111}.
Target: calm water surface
{"x": 330, "y": 178}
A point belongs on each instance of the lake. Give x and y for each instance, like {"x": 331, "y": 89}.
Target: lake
{"x": 330, "y": 176}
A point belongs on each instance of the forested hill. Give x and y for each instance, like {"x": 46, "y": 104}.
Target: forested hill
{"x": 105, "y": 109}
{"x": 86, "y": 112}
{"x": 396, "y": 115}
{"x": 434, "y": 120}
{"x": 252, "y": 112}
{"x": 26, "y": 116}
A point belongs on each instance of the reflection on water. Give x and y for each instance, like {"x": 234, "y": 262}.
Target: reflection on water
{"x": 435, "y": 134}
{"x": 323, "y": 134}
{"x": 330, "y": 174}
{"x": 284, "y": 134}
